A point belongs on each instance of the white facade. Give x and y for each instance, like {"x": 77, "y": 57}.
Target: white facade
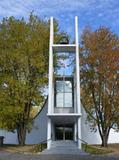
{"x": 39, "y": 131}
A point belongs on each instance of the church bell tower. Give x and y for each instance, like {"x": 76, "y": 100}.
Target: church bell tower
{"x": 64, "y": 107}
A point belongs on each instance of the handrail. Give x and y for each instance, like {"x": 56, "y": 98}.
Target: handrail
{"x": 86, "y": 144}
{"x": 82, "y": 141}
{"x": 43, "y": 142}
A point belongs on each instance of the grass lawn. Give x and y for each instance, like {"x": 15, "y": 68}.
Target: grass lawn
{"x": 22, "y": 149}
{"x": 112, "y": 149}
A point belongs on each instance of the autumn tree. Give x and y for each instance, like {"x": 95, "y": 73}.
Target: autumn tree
{"x": 24, "y": 54}
{"x": 100, "y": 79}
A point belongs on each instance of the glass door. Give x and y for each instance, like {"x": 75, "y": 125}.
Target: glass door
{"x": 64, "y": 133}
{"x": 68, "y": 133}
{"x": 59, "y": 133}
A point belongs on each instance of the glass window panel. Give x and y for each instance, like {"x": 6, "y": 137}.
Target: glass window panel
{"x": 59, "y": 99}
{"x": 59, "y": 86}
{"x": 68, "y": 100}
{"x": 64, "y": 93}
{"x": 68, "y": 86}
{"x": 63, "y": 86}
{"x": 64, "y": 63}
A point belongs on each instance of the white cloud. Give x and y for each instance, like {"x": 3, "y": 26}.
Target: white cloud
{"x": 49, "y": 7}
{"x": 89, "y": 11}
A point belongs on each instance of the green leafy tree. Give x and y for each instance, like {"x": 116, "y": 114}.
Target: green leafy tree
{"x": 100, "y": 79}
{"x": 24, "y": 54}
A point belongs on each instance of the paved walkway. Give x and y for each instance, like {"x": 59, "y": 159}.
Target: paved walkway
{"x": 17, "y": 156}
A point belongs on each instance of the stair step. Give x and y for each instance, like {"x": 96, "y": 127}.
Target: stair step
{"x": 64, "y": 147}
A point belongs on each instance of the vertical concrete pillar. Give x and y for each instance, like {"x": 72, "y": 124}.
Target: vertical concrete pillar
{"x": 78, "y": 81}
{"x": 79, "y": 133}
{"x": 50, "y": 94}
{"x": 75, "y": 131}
{"x": 49, "y": 127}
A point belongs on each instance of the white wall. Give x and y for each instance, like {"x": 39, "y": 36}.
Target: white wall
{"x": 113, "y": 137}
{"x": 87, "y": 135}
{"x": 10, "y": 137}
{"x": 39, "y": 131}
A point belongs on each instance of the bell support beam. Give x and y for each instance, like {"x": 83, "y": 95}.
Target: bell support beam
{"x": 50, "y": 97}
{"x": 78, "y": 82}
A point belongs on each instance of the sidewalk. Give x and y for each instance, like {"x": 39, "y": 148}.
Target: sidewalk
{"x": 18, "y": 156}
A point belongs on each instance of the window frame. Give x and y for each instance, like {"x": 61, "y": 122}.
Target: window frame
{"x": 55, "y": 92}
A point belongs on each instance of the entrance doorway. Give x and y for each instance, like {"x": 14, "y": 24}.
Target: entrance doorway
{"x": 64, "y": 132}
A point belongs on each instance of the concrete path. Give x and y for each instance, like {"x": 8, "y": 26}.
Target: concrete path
{"x": 59, "y": 151}
{"x": 17, "y": 156}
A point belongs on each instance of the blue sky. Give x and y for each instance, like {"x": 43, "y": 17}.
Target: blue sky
{"x": 90, "y": 12}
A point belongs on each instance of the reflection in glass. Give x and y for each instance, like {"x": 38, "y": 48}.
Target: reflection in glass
{"x": 64, "y": 93}
{"x": 63, "y": 86}
{"x": 59, "y": 86}
{"x": 68, "y": 100}
{"x": 64, "y": 64}
{"x": 59, "y": 99}
{"x": 68, "y": 86}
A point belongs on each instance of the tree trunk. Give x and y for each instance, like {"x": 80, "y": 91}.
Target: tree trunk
{"x": 104, "y": 135}
{"x": 104, "y": 140}
{"x": 21, "y": 134}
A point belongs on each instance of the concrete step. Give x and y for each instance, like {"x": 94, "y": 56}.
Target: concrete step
{"x": 54, "y": 145}
{"x": 64, "y": 145}
{"x": 63, "y": 141}
{"x": 64, "y": 148}
{"x": 67, "y": 142}
{"x": 64, "y": 152}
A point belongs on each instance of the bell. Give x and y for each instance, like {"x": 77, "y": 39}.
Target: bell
{"x": 64, "y": 40}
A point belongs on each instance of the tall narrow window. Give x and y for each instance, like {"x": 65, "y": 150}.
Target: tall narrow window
{"x": 64, "y": 93}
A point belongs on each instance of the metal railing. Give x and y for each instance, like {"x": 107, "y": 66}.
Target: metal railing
{"x": 85, "y": 144}
{"x": 43, "y": 144}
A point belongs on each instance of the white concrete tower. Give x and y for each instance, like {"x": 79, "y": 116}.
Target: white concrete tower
{"x": 64, "y": 108}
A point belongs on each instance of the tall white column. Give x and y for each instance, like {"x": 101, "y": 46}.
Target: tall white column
{"x": 50, "y": 97}
{"x": 50, "y": 94}
{"x": 78, "y": 81}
